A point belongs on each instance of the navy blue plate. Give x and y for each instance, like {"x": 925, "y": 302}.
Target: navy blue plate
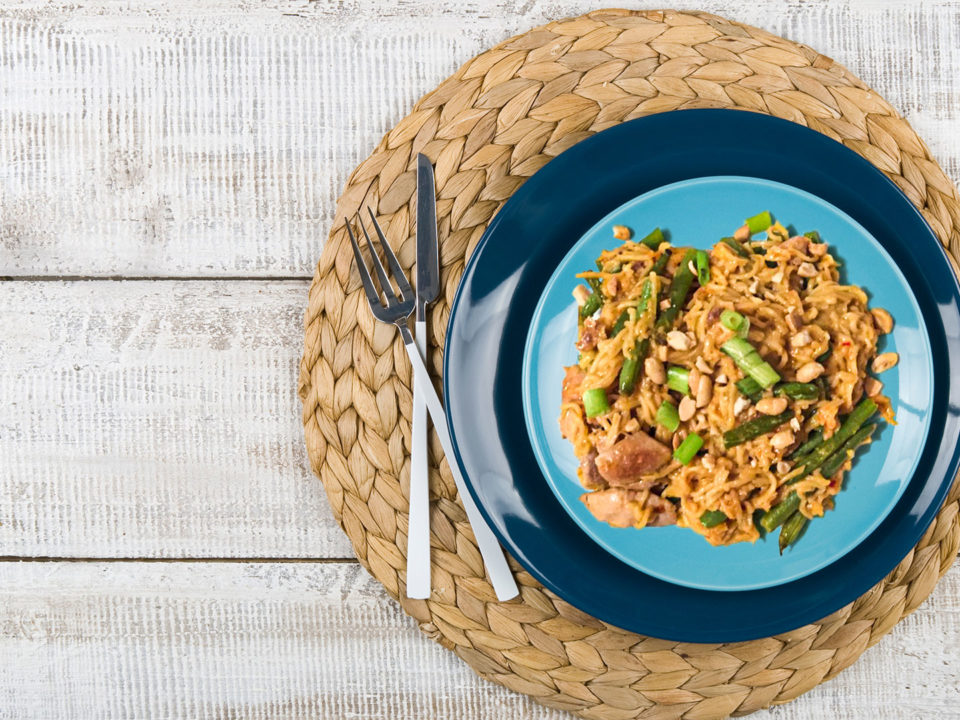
{"x": 494, "y": 307}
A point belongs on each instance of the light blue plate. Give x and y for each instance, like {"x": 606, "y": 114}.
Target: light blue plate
{"x": 697, "y": 212}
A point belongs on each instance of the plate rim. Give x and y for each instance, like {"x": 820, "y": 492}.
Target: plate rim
{"x": 944, "y": 459}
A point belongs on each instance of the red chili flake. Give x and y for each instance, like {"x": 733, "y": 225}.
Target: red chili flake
{"x": 846, "y": 343}
{"x": 833, "y": 484}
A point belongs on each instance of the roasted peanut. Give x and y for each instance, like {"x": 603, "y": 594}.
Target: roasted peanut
{"x": 782, "y": 439}
{"x": 704, "y": 391}
{"x": 884, "y": 361}
{"x": 809, "y": 372}
{"x": 882, "y": 319}
{"x": 772, "y": 405}
{"x": 653, "y": 369}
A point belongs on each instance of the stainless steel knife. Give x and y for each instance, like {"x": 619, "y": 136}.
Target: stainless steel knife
{"x": 428, "y": 286}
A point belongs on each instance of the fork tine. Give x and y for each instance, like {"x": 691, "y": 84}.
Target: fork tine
{"x": 378, "y": 267}
{"x": 372, "y": 296}
{"x": 402, "y": 282}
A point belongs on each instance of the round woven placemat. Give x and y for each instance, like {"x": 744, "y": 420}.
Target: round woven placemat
{"x": 487, "y": 128}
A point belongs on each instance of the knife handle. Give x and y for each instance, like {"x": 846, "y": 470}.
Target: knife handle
{"x": 418, "y": 530}
{"x": 498, "y": 570}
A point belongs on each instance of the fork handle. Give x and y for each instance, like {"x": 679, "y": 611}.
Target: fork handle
{"x": 418, "y": 531}
{"x": 497, "y": 568}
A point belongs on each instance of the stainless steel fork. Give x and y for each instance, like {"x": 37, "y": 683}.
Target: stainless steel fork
{"x": 397, "y": 310}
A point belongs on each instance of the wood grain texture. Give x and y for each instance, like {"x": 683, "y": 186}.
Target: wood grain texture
{"x": 156, "y": 419}
{"x": 297, "y": 641}
{"x": 166, "y": 139}
{"x": 176, "y": 138}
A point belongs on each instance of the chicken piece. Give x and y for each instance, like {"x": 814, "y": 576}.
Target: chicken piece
{"x": 798, "y": 243}
{"x": 612, "y": 506}
{"x": 589, "y": 475}
{"x": 590, "y": 335}
{"x": 571, "y": 384}
{"x": 621, "y": 508}
{"x": 635, "y": 455}
{"x": 664, "y": 512}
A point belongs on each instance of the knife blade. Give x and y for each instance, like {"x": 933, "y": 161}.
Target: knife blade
{"x": 428, "y": 260}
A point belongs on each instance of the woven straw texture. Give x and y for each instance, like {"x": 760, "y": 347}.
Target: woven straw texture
{"x": 487, "y": 128}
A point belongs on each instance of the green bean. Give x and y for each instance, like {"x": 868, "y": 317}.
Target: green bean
{"x": 593, "y": 303}
{"x": 822, "y": 357}
{"x": 779, "y": 513}
{"x": 682, "y": 280}
{"x": 861, "y": 413}
{"x": 813, "y": 235}
{"x": 735, "y": 245}
{"x": 751, "y": 429}
{"x": 660, "y": 263}
{"x": 797, "y": 390}
{"x": 791, "y": 530}
{"x": 814, "y": 440}
{"x": 833, "y": 463}
{"x": 712, "y": 518}
{"x": 631, "y": 366}
{"x": 647, "y": 303}
{"x": 595, "y": 283}
{"x": 619, "y": 323}
{"x": 750, "y": 388}
{"x": 654, "y": 239}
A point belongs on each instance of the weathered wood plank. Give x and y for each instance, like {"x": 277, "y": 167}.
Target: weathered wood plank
{"x": 170, "y": 139}
{"x": 156, "y": 419}
{"x": 306, "y": 640}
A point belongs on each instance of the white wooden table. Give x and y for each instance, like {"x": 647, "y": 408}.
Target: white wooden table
{"x": 168, "y": 172}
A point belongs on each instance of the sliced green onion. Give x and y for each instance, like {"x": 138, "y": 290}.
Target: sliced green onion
{"x": 813, "y": 235}
{"x": 735, "y": 245}
{"x": 678, "y": 378}
{"x": 712, "y": 518}
{"x": 732, "y": 320}
{"x": 703, "y": 267}
{"x": 667, "y": 416}
{"x": 748, "y": 359}
{"x": 759, "y": 222}
{"x": 750, "y": 388}
{"x": 595, "y": 402}
{"x": 654, "y": 239}
{"x": 688, "y": 448}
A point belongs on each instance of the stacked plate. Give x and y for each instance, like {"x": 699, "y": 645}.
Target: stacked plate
{"x": 513, "y": 326}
